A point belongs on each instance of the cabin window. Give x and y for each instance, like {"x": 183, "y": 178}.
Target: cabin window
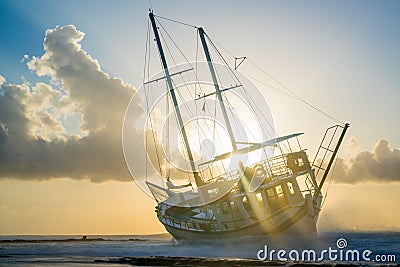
{"x": 225, "y": 208}
{"x": 290, "y": 188}
{"x": 233, "y": 206}
{"x": 218, "y": 209}
{"x": 270, "y": 193}
{"x": 246, "y": 203}
{"x": 279, "y": 190}
{"x": 282, "y": 198}
{"x": 208, "y": 213}
{"x": 272, "y": 199}
{"x": 276, "y": 198}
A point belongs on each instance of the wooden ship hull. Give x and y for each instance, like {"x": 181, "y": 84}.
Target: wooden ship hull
{"x": 291, "y": 222}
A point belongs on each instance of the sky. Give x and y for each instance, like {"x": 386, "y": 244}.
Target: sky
{"x": 69, "y": 68}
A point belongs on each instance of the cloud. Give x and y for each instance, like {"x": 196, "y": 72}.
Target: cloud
{"x": 24, "y": 58}
{"x": 34, "y": 141}
{"x": 2, "y": 81}
{"x": 353, "y": 143}
{"x": 380, "y": 165}
{"x": 40, "y": 106}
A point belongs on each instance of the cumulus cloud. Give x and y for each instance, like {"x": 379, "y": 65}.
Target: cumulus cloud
{"x": 380, "y": 165}
{"x": 34, "y": 143}
{"x": 40, "y": 104}
{"x": 353, "y": 143}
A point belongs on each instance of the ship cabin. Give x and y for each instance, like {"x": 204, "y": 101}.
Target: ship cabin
{"x": 242, "y": 197}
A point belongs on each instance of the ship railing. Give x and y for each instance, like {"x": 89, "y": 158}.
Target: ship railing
{"x": 275, "y": 167}
{"x": 325, "y": 150}
{"x": 199, "y": 226}
{"x": 204, "y": 225}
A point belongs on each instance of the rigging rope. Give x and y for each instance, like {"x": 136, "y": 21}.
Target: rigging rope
{"x": 283, "y": 89}
{"x": 179, "y": 94}
{"x": 233, "y": 75}
{"x": 147, "y": 103}
{"x": 184, "y": 82}
{"x": 226, "y": 65}
{"x": 296, "y": 96}
{"x": 179, "y": 22}
{"x": 219, "y": 54}
{"x": 144, "y": 79}
{"x": 290, "y": 92}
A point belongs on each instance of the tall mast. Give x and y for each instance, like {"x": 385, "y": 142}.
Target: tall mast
{"x": 217, "y": 89}
{"x": 197, "y": 178}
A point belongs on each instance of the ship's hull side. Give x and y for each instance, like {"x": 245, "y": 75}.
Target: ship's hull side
{"x": 294, "y": 222}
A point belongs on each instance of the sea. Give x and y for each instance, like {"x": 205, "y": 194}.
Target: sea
{"x": 120, "y": 250}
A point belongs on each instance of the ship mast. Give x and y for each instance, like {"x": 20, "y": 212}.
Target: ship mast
{"x": 197, "y": 177}
{"x": 217, "y": 89}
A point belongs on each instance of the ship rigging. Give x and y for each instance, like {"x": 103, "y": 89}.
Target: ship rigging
{"x": 242, "y": 177}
